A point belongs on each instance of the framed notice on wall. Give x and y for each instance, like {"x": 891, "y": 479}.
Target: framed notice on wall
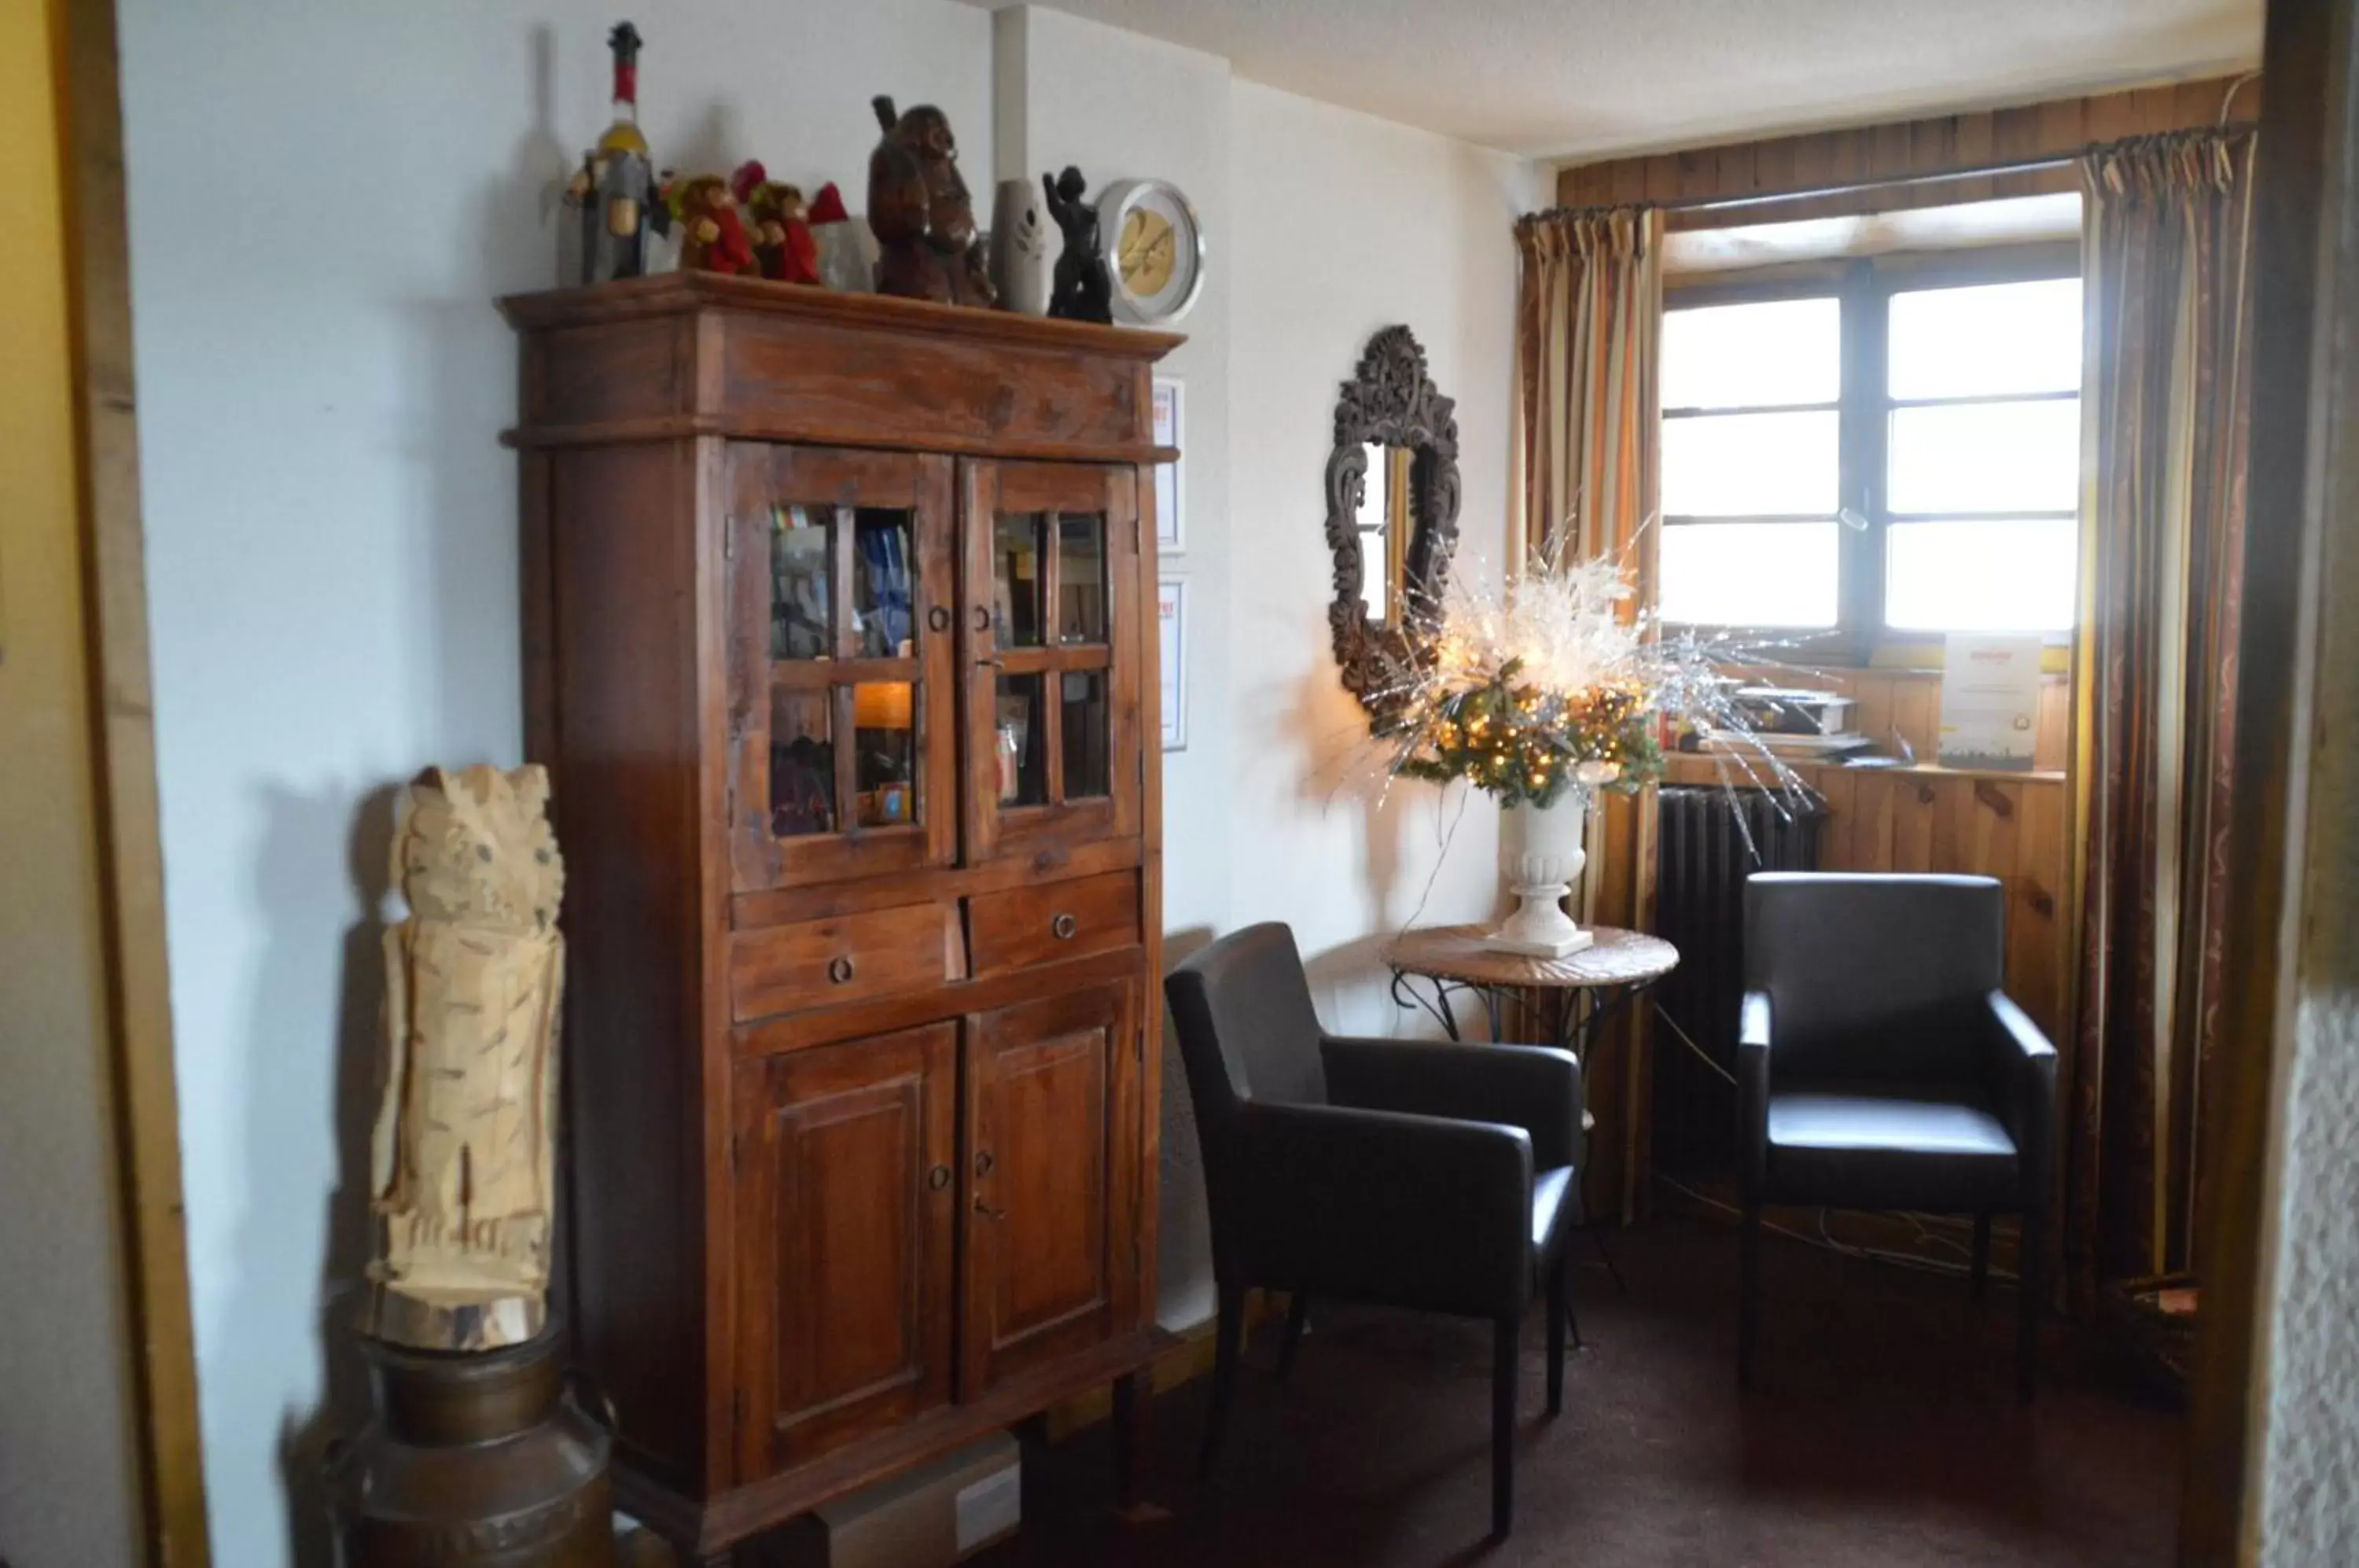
{"x": 1170, "y": 420}
{"x": 1171, "y": 619}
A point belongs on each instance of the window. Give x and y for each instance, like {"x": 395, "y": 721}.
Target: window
{"x": 1884, "y": 454}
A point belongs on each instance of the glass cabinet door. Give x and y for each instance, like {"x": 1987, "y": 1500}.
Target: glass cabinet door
{"x": 841, "y": 683}
{"x": 1051, "y": 627}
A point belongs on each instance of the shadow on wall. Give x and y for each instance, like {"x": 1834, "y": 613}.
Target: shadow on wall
{"x": 302, "y": 832}
{"x": 1184, "y": 1254}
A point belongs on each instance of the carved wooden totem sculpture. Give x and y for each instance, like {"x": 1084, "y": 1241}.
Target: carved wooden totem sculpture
{"x": 462, "y": 1159}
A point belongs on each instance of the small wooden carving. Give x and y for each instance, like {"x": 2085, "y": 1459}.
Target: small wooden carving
{"x": 462, "y": 1160}
{"x": 920, "y": 213}
{"x": 1084, "y": 288}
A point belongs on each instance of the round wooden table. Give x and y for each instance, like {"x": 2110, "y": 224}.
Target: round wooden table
{"x": 1598, "y": 980}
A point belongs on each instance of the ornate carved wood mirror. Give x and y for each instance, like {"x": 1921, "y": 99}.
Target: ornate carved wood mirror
{"x": 1392, "y": 515}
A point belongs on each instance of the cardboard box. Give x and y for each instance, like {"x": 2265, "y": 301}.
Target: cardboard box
{"x": 931, "y": 1517}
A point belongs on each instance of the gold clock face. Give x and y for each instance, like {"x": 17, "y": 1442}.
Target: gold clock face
{"x": 1147, "y": 251}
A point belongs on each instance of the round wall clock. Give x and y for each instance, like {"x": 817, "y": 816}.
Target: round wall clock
{"x": 1154, "y": 250}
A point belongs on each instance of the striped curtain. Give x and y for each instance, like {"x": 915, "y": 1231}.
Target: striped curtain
{"x": 1589, "y": 326}
{"x": 2166, "y": 407}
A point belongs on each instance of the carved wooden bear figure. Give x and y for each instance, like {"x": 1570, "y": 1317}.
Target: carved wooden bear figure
{"x": 920, "y": 213}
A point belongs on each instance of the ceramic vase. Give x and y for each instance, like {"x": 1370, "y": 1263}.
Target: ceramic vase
{"x": 1019, "y": 248}
{"x": 1541, "y": 852}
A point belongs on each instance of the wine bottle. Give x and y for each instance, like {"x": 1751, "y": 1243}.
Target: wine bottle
{"x": 616, "y": 218}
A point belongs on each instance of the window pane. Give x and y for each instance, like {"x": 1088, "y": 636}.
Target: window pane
{"x": 1080, "y": 577}
{"x": 1015, "y": 552}
{"x": 1022, "y": 742}
{"x": 880, "y": 582}
{"x": 1751, "y": 465}
{"x": 802, "y": 762}
{"x": 2000, "y": 337}
{"x": 800, "y": 550}
{"x": 1744, "y": 356}
{"x": 1984, "y": 457}
{"x": 2009, "y": 576}
{"x": 884, "y": 734}
{"x": 1750, "y": 574}
{"x": 1089, "y": 762}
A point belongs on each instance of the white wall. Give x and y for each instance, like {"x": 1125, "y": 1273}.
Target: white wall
{"x": 326, "y": 196}
{"x": 325, "y": 201}
{"x": 1344, "y": 224}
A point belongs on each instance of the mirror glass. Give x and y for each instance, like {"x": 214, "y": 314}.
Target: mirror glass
{"x": 1385, "y": 524}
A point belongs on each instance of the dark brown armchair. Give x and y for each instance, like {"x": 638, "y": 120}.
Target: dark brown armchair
{"x": 1881, "y": 1066}
{"x": 1439, "y": 1177}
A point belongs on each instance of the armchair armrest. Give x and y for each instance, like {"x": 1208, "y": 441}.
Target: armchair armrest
{"x": 1535, "y": 1087}
{"x": 1410, "y": 1210}
{"x": 2023, "y": 1073}
{"x": 1753, "y": 1092}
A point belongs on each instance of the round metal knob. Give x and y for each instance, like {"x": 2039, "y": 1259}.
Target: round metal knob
{"x": 939, "y": 618}
{"x": 939, "y": 1177}
{"x": 839, "y": 970}
{"x": 981, "y": 618}
{"x": 1063, "y": 927}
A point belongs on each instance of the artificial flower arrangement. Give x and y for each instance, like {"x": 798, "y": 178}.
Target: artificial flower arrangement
{"x": 1542, "y": 692}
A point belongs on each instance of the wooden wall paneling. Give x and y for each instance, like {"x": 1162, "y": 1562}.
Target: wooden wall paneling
{"x": 1935, "y": 144}
{"x": 1917, "y": 714}
{"x": 2035, "y": 928}
{"x": 1972, "y": 144}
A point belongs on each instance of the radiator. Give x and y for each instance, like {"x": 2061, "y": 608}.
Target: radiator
{"x": 1710, "y": 841}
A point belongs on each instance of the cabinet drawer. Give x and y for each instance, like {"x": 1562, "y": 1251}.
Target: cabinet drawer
{"x": 1053, "y": 921}
{"x": 846, "y": 958}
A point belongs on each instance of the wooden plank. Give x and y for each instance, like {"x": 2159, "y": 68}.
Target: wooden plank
{"x": 1946, "y": 802}
{"x": 1698, "y": 174}
{"x": 1974, "y": 144}
{"x": 1839, "y": 786}
{"x": 1916, "y": 806}
{"x": 1916, "y": 714}
{"x": 1990, "y": 826}
{"x": 1773, "y": 165}
{"x": 2051, "y": 742}
{"x": 1872, "y": 828}
{"x": 1735, "y": 170}
{"x": 1872, "y": 718}
{"x": 2110, "y": 116}
{"x": 1662, "y": 177}
{"x": 1627, "y": 182}
{"x": 2154, "y": 109}
{"x": 1889, "y": 151}
{"x": 1814, "y": 161}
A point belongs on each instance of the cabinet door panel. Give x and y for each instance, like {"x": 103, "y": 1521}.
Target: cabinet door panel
{"x": 842, "y": 756}
{"x": 1051, "y": 640}
{"x": 846, "y": 1217}
{"x": 1052, "y": 1265}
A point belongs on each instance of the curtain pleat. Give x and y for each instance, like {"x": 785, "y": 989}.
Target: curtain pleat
{"x": 2166, "y": 410}
{"x": 1589, "y": 331}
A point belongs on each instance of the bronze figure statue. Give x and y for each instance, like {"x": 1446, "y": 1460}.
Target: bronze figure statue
{"x": 1084, "y": 288}
{"x": 920, "y": 213}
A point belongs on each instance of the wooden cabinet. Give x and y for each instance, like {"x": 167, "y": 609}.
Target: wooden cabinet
{"x": 838, "y": 648}
{"x": 1052, "y": 1253}
{"x": 847, "y": 1218}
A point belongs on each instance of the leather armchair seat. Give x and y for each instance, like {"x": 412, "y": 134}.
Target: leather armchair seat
{"x": 1441, "y": 1177}
{"x": 1881, "y": 1066}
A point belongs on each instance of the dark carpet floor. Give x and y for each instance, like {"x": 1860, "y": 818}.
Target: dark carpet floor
{"x": 1884, "y": 1433}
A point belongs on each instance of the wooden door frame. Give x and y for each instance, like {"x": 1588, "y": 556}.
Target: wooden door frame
{"x": 2286, "y": 928}
{"x": 145, "y": 1112}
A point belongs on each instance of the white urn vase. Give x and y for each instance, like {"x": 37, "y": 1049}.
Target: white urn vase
{"x": 1541, "y": 852}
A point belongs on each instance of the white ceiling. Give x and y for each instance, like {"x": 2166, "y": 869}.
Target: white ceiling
{"x": 1581, "y": 78}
